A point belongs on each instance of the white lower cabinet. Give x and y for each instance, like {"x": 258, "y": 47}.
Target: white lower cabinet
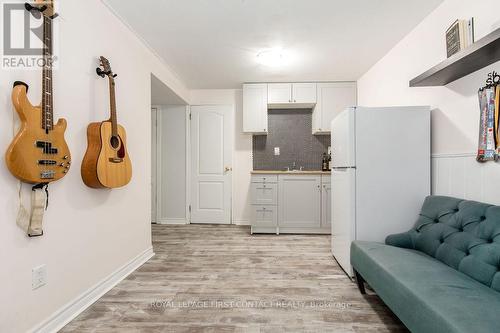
{"x": 294, "y": 203}
{"x": 326, "y": 202}
{"x": 264, "y": 194}
{"x": 265, "y": 216}
{"x": 299, "y": 202}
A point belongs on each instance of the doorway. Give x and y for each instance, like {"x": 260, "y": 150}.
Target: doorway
{"x": 169, "y": 155}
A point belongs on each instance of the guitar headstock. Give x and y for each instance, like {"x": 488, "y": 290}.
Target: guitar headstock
{"x": 106, "y": 69}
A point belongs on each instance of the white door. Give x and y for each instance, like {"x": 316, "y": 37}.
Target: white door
{"x": 344, "y": 139}
{"x": 154, "y": 145}
{"x": 343, "y": 215}
{"x": 211, "y": 163}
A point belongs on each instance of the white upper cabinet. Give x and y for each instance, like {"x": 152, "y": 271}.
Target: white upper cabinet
{"x": 279, "y": 93}
{"x": 291, "y": 95}
{"x": 304, "y": 93}
{"x": 332, "y": 99}
{"x": 255, "y": 108}
{"x": 326, "y": 99}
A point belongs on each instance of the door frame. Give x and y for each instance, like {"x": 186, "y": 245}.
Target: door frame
{"x": 188, "y": 164}
{"x": 156, "y": 152}
{"x": 188, "y": 157}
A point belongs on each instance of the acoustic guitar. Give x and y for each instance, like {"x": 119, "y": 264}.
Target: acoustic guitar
{"x": 39, "y": 153}
{"x": 106, "y": 163}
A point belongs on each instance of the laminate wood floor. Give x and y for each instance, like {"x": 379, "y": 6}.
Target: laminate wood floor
{"x": 207, "y": 278}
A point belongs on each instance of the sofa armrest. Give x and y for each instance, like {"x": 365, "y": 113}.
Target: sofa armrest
{"x": 400, "y": 240}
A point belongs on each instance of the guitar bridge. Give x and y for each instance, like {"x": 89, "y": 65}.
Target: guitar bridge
{"x": 115, "y": 160}
{"x": 47, "y": 174}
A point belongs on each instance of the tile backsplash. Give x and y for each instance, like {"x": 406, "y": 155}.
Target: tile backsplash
{"x": 291, "y": 131}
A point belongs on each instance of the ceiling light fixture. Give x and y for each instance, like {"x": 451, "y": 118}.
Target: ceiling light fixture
{"x": 271, "y": 58}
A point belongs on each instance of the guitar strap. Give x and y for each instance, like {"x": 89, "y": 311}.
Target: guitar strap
{"x": 31, "y": 221}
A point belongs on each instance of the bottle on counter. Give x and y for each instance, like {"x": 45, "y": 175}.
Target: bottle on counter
{"x": 330, "y": 162}
{"x": 324, "y": 163}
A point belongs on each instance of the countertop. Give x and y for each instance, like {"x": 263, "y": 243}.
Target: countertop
{"x": 283, "y": 172}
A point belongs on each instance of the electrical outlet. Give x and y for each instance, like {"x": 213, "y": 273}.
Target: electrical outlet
{"x": 276, "y": 151}
{"x": 38, "y": 276}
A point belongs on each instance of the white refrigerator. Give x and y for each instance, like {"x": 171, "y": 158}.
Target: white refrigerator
{"x": 380, "y": 174}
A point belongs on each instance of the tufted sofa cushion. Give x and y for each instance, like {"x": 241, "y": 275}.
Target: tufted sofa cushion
{"x": 464, "y": 235}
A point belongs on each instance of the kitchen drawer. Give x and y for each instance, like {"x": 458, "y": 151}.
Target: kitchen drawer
{"x": 265, "y": 216}
{"x": 264, "y": 194}
{"x": 264, "y": 178}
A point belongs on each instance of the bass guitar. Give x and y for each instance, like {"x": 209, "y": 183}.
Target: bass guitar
{"x": 106, "y": 163}
{"x": 39, "y": 153}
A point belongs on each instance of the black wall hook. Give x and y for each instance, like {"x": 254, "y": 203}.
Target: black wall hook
{"x": 102, "y": 73}
{"x": 37, "y": 11}
{"x": 493, "y": 79}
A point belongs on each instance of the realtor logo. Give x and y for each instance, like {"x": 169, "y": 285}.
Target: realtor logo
{"x": 22, "y": 38}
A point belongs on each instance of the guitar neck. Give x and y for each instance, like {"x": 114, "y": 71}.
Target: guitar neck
{"x": 47, "y": 90}
{"x": 112, "y": 106}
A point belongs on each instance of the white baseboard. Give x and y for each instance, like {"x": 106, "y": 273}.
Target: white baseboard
{"x": 241, "y": 222}
{"x": 69, "y": 311}
{"x": 171, "y": 221}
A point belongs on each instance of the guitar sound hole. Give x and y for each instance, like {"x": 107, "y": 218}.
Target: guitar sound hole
{"x": 115, "y": 142}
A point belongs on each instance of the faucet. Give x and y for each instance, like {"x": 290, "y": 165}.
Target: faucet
{"x": 294, "y": 167}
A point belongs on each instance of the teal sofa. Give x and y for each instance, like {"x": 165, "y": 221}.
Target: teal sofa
{"x": 444, "y": 274}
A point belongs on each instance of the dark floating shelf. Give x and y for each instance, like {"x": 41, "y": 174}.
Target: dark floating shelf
{"x": 482, "y": 53}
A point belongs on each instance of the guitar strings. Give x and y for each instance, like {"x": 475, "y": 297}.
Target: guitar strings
{"x": 45, "y": 73}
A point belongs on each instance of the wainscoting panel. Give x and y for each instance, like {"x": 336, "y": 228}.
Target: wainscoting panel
{"x": 459, "y": 175}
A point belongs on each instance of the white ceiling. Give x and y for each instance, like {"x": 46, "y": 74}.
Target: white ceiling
{"x": 214, "y": 43}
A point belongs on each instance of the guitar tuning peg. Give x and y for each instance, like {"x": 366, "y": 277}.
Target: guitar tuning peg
{"x": 115, "y": 75}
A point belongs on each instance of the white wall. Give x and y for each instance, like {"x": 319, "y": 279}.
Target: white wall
{"x": 242, "y": 154}
{"x": 455, "y": 115}
{"x": 88, "y": 233}
{"x": 172, "y": 171}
